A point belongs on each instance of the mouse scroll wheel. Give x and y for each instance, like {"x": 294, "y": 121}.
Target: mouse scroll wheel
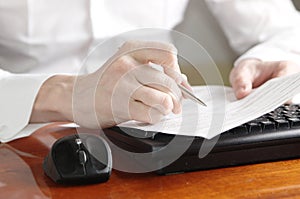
{"x": 82, "y": 156}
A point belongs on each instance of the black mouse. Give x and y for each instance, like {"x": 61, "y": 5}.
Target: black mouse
{"x": 79, "y": 159}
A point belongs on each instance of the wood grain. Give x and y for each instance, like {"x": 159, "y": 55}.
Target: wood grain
{"x": 22, "y": 176}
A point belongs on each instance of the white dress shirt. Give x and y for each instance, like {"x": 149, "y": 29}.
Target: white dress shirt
{"x": 267, "y": 30}
{"x": 42, "y": 38}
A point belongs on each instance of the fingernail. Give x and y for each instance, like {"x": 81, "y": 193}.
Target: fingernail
{"x": 245, "y": 87}
{"x": 243, "y": 91}
{"x": 179, "y": 80}
{"x": 187, "y": 85}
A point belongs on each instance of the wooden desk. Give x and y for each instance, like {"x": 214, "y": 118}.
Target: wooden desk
{"x": 22, "y": 176}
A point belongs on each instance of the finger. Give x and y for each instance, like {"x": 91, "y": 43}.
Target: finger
{"x": 283, "y": 68}
{"x": 154, "y": 98}
{"x": 184, "y": 77}
{"x": 160, "y": 81}
{"x": 241, "y": 79}
{"x": 185, "y": 83}
{"x": 156, "y": 52}
{"x": 264, "y": 72}
{"x": 143, "y": 113}
{"x": 178, "y": 77}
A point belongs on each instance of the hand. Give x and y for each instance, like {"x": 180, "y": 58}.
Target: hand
{"x": 251, "y": 73}
{"x": 127, "y": 87}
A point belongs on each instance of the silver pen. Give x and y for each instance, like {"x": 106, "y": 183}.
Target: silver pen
{"x": 190, "y": 95}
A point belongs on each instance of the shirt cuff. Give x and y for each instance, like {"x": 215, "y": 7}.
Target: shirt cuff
{"x": 18, "y": 93}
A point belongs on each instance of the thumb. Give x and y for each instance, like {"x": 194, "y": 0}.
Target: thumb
{"x": 241, "y": 79}
{"x": 242, "y": 87}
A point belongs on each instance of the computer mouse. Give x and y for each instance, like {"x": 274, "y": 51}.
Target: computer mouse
{"x": 79, "y": 159}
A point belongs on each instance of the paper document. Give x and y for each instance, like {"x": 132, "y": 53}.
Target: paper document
{"x": 224, "y": 111}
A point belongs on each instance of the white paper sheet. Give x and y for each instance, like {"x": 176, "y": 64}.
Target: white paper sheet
{"x": 224, "y": 112}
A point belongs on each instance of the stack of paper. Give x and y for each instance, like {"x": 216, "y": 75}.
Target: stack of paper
{"x": 224, "y": 111}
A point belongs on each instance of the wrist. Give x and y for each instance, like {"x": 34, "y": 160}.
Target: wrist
{"x": 54, "y": 100}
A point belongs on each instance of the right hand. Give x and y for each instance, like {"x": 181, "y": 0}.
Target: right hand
{"x": 127, "y": 88}
{"x": 252, "y": 73}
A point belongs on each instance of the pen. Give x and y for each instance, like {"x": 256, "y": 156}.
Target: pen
{"x": 190, "y": 95}
{"x": 184, "y": 90}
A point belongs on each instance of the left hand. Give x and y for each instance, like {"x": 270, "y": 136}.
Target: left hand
{"x": 251, "y": 73}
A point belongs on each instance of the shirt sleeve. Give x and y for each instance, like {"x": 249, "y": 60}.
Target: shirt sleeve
{"x": 17, "y": 94}
{"x": 266, "y": 30}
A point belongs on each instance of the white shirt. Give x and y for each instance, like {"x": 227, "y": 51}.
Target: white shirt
{"x": 267, "y": 30}
{"x": 41, "y": 38}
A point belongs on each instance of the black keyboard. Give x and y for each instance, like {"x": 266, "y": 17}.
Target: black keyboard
{"x": 271, "y": 137}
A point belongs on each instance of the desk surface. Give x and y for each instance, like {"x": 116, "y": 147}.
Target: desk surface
{"x": 22, "y": 176}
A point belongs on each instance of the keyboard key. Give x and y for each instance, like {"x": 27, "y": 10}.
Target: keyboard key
{"x": 268, "y": 126}
{"x": 254, "y": 127}
{"x": 282, "y": 124}
{"x": 274, "y": 114}
{"x": 293, "y": 107}
{"x": 240, "y": 130}
{"x": 279, "y": 110}
{"x": 260, "y": 119}
{"x": 289, "y": 111}
{"x": 228, "y": 133}
{"x": 292, "y": 116}
{"x": 276, "y": 117}
{"x": 294, "y": 122}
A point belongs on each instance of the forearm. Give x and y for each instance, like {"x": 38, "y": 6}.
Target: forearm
{"x": 54, "y": 100}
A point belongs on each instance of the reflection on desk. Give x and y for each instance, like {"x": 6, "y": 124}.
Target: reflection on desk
{"x": 22, "y": 176}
